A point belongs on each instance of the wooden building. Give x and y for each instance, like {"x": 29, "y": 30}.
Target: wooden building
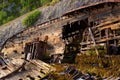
{"x": 95, "y": 24}
{"x": 35, "y": 50}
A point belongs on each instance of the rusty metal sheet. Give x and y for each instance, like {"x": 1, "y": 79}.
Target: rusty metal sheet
{"x": 90, "y": 5}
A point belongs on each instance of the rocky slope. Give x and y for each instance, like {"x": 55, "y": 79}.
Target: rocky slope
{"x": 12, "y": 28}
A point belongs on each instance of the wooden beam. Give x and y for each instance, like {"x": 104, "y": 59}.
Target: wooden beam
{"x": 100, "y": 40}
{"x": 93, "y": 39}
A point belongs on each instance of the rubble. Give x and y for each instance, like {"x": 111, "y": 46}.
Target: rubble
{"x": 8, "y": 67}
{"x": 19, "y": 69}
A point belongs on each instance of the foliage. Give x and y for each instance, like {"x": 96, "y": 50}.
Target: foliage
{"x": 53, "y": 2}
{"x": 101, "y": 67}
{"x": 3, "y": 16}
{"x": 101, "y": 50}
{"x": 44, "y": 2}
{"x": 11, "y": 9}
{"x": 31, "y": 18}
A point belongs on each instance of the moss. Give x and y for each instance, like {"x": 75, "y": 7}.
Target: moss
{"x": 60, "y": 68}
{"x": 101, "y": 66}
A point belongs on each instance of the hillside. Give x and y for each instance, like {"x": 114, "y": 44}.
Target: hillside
{"x": 49, "y": 12}
{"x": 11, "y": 9}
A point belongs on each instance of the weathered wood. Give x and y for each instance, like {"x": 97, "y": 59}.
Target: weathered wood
{"x": 84, "y": 49}
{"x": 100, "y": 40}
{"x": 33, "y": 68}
{"x": 107, "y": 23}
{"x": 10, "y": 72}
{"x": 111, "y": 26}
{"x": 89, "y": 40}
{"x": 108, "y": 39}
{"x": 35, "y": 50}
{"x": 93, "y": 39}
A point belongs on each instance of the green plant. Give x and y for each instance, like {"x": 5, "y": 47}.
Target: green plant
{"x": 100, "y": 49}
{"x": 44, "y": 2}
{"x": 31, "y": 18}
{"x": 53, "y": 2}
{"x": 19, "y": 8}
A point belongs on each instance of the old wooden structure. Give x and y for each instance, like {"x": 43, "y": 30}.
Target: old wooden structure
{"x": 85, "y": 28}
{"x": 20, "y": 70}
{"x": 35, "y": 49}
{"x": 9, "y": 67}
{"x": 96, "y": 24}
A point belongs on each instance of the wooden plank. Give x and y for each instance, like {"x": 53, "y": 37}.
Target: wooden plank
{"x": 106, "y": 39}
{"x": 40, "y": 64}
{"x": 106, "y": 23}
{"x": 86, "y": 43}
{"x": 112, "y": 26}
{"x": 12, "y": 72}
{"x": 101, "y": 40}
{"x": 84, "y": 49}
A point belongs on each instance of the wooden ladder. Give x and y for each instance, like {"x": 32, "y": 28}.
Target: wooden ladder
{"x": 88, "y": 39}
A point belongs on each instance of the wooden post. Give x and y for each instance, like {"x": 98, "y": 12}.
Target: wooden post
{"x": 33, "y": 50}
{"x": 100, "y": 34}
{"x": 93, "y": 39}
{"x": 107, "y": 42}
{"x": 114, "y": 34}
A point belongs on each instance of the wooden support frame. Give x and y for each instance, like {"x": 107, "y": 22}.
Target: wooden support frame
{"x": 89, "y": 39}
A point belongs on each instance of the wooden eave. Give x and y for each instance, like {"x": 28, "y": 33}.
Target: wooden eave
{"x": 90, "y": 6}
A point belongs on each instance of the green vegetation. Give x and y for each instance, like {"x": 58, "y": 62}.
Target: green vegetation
{"x": 101, "y": 50}
{"x": 101, "y": 67}
{"x": 11, "y": 9}
{"x": 60, "y": 68}
{"x": 44, "y": 2}
{"x": 104, "y": 66}
{"x": 31, "y": 18}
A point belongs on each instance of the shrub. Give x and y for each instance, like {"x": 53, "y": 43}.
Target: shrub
{"x": 21, "y": 7}
{"x": 31, "y": 18}
{"x": 54, "y": 2}
{"x": 44, "y": 2}
{"x": 3, "y": 16}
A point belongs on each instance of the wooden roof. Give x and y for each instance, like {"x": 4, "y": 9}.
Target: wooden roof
{"x": 91, "y": 5}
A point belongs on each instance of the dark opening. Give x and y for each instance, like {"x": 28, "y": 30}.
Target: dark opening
{"x": 103, "y": 33}
{"x": 72, "y": 34}
{"x": 113, "y": 48}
